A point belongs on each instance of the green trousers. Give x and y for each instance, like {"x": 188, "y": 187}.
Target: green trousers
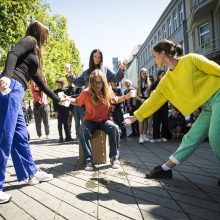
{"x": 206, "y": 125}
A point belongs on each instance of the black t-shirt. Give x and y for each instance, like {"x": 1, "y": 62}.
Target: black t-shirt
{"x": 22, "y": 64}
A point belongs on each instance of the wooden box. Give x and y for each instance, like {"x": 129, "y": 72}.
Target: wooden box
{"x": 100, "y": 148}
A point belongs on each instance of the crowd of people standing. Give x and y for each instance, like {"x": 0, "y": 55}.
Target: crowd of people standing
{"x": 188, "y": 110}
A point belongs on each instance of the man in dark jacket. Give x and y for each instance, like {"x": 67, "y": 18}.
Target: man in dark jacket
{"x": 61, "y": 112}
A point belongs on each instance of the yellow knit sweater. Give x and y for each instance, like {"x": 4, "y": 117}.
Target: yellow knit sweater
{"x": 192, "y": 82}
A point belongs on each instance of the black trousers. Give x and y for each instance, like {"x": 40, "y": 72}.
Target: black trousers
{"x": 63, "y": 122}
{"x": 160, "y": 123}
{"x": 118, "y": 118}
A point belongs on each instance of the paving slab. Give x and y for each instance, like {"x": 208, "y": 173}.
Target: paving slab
{"x": 107, "y": 193}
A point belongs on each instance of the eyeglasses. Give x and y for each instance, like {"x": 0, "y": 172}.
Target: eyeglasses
{"x": 98, "y": 82}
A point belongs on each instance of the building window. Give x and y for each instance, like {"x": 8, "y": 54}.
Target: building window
{"x": 152, "y": 70}
{"x": 149, "y": 50}
{"x": 155, "y": 39}
{"x": 182, "y": 44}
{"x": 204, "y": 35}
{"x": 139, "y": 61}
{"x": 164, "y": 31}
{"x": 181, "y": 14}
{"x": 159, "y": 35}
{"x": 175, "y": 21}
{"x": 169, "y": 28}
{"x": 146, "y": 52}
{"x": 198, "y": 2}
{"x": 146, "y": 58}
{"x": 151, "y": 44}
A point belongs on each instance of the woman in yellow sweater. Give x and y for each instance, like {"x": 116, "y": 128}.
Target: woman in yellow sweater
{"x": 190, "y": 82}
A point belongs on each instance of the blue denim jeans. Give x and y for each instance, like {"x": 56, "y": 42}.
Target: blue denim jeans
{"x": 88, "y": 128}
{"x": 78, "y": 117}
{"x": 14, "y": 135}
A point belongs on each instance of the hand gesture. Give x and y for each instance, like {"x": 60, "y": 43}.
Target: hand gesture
{"x": 130, "y": 119}
{"x": 72, "y": 101}
{"x": 122, "y": 64}
{"x": 68, "y": 68}
{"x": 65, "y": 100}
{"x": 3, "y": 85}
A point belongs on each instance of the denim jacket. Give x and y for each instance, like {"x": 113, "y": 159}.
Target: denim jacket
{"x": 83, "y": 79}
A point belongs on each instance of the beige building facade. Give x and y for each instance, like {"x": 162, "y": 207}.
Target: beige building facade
{"x": 203, "y": 27}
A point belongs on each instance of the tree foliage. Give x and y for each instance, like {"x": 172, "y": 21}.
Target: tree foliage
{"x": 14, "y": 18}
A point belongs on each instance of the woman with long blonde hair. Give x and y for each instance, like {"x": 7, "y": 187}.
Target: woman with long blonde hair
{"x": 97, "y": 99}
{"x": 143, "y": 92}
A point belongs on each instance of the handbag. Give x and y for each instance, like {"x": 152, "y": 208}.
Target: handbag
{"x": 37, "y": 104}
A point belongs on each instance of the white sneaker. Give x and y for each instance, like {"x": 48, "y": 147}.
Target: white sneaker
{"x": 155, "y": 140}
{"x": 164, "y": 140}
{"x": 115, "y": 163}
{"x": 146, "y": 138}
{"x": 141, "y": 140}
{"x": 4, "y": 197}
{"x": 89, "y": 166}
{"x": 118, "y": 154}
{"x": 39, "y": 176}
{"x": 47, "y": 136}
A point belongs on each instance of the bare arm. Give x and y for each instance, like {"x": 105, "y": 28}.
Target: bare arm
{"x": 73, "y": 101}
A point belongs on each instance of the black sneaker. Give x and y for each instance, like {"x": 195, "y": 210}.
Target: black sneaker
{"x": 76, "y": 139}
{"x": 68, "y": 139}
{"x": 61, "y": 140}
{"x": 158, "y": 172}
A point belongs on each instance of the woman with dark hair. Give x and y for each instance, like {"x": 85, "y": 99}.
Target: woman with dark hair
{"x": 96, "y": 62}
{"x": 190, "y": 82}
{"x": 160, "y": 117}
{"x": 24, "y": 62}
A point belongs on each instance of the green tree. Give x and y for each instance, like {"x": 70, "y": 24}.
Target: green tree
{"x": 59, "y": 51}
{"x": 15, "y": 17}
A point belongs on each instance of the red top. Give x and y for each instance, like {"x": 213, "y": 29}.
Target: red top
{"x": 93, "y": 112}
{"x": 39, "y": 96}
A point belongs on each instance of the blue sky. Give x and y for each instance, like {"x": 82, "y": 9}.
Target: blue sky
{"x": 114, "y": 26}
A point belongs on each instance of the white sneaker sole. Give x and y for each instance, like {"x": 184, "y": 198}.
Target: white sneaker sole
{"x": 6, "y": 200}
{"x": 35, "y": 181}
